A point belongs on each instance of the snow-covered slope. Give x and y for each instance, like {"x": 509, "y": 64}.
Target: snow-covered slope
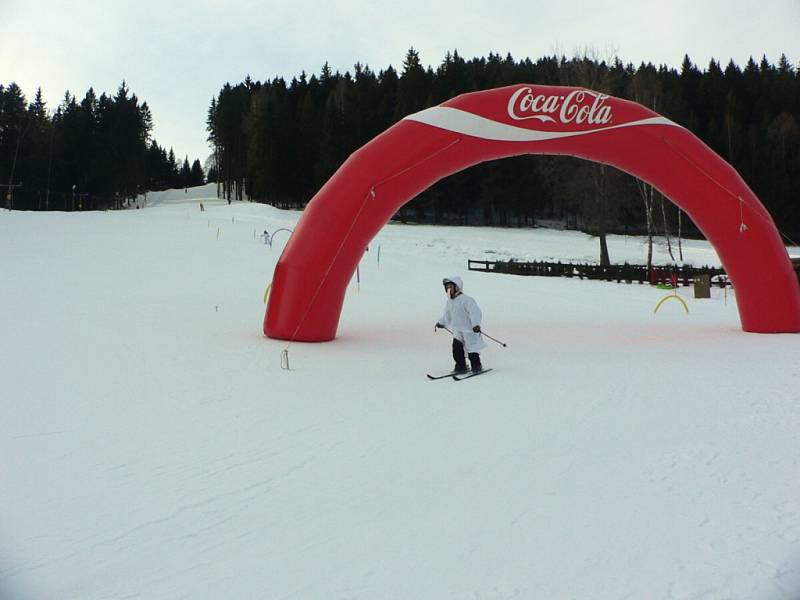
{"x": 153, "y": 447}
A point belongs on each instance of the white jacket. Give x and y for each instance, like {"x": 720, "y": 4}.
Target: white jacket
{"x": 461, "y": 314}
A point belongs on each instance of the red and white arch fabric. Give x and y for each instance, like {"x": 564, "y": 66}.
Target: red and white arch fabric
{"x": 312, "y": 275}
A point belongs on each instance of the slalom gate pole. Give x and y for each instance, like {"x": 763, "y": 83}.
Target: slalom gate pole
{"x": 285, "y": 360}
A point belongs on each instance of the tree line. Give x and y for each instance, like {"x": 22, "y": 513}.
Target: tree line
{"x": 278, "y": 142}
{"x": 87, "y": 154}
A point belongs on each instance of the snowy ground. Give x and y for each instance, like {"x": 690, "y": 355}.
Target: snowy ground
{"x": 152, "y": 447}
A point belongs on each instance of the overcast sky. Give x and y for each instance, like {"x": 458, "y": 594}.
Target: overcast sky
{"x": 176, "y": 55}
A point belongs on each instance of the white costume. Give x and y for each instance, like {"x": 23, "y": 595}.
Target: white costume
{"x": 461, "y": 314}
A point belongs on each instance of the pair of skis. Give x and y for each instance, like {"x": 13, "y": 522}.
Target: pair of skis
{"x": 459, "y": 376}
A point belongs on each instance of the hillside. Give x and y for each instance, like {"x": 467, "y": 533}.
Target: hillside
{"x": 153, "y": 447}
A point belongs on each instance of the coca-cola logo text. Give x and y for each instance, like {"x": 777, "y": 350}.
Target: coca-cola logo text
{"x": 579, "y": 106}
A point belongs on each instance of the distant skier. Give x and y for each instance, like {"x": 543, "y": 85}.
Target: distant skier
{"x": 463, "y": 317}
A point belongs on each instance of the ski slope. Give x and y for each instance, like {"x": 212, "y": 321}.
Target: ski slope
{"x": 152, "y": 446}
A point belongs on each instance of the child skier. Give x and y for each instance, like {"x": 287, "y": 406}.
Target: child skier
{"x": 463, "y": 317}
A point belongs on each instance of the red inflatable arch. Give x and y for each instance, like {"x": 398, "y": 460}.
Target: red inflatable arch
{"x": 316, "y": 266}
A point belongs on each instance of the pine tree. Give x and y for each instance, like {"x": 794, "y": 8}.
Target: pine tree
{"x": 197, "y": 176}
{"x": 413, "y": 87}
{"x": 186, "y": 173}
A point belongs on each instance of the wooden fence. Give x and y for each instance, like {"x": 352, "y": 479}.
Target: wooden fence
{"x": 684, "y": 275}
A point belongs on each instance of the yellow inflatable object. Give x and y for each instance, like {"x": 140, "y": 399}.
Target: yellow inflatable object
{"x": 678, "y": 298}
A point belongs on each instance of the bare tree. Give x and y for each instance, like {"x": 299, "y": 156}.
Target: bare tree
{"x": 646, "y": 89}
{"x": 646, "y": 191}
{"x": 589, "y": 70}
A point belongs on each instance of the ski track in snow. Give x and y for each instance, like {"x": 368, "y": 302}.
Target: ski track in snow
{"x": 153, "y": 447}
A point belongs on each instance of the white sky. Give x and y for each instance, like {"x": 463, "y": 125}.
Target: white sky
{"x": 177, "y": 55}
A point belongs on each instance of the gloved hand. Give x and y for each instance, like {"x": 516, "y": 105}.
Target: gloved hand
{"x": 438, "y": 326}
{"x": 477, "y": 329}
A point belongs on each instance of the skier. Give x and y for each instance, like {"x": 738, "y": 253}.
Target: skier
{"x": 463, "y": 317}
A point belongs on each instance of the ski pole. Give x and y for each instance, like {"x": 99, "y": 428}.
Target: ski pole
{"x": 443, "y": 327}
{"x": 504, "y": 345}
{"x": 494, "y": 340}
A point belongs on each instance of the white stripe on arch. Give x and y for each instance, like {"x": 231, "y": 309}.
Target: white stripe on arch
{"x": 460, "y": 121}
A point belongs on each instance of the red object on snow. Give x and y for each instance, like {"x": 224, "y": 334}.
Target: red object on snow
{"x": 311, "y": 277}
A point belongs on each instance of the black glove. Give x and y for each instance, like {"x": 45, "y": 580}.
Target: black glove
{"x": 477, "y": 329}
{"x": 438, "y": 326}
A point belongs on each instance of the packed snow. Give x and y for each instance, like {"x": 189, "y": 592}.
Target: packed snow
{"x": 153, "y": 447}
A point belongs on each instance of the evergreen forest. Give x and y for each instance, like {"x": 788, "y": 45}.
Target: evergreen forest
{"x": 278, "y": 142}
{"x": 95, "y": 153}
